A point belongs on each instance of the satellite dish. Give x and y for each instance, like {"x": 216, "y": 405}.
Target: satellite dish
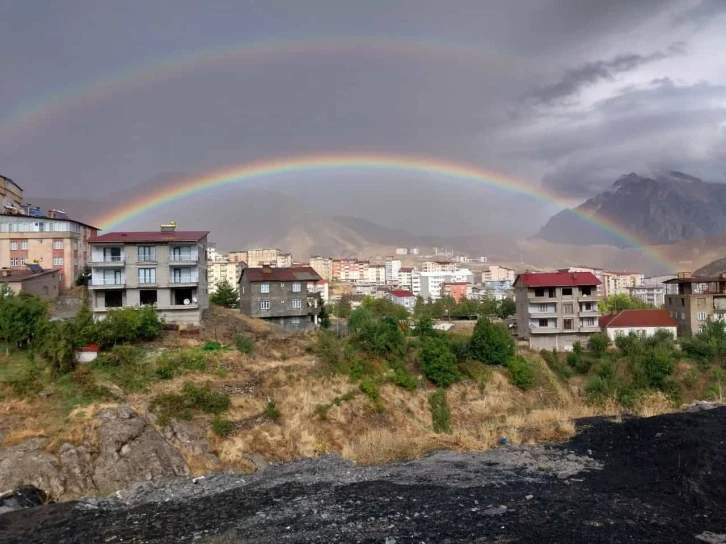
{"x": 186, "y": 302}
{"x": 194, "y": 300}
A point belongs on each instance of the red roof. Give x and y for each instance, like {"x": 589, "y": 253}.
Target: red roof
{"x": 301, "y": 273}
{"x": 405, "y": 269}
{"x": 638, "y": 318}
{"x": 558, "y": 279}
{"x": 149, "y": 236}
{"x": 455, "y": 283}
{"x": 401, "y": 293}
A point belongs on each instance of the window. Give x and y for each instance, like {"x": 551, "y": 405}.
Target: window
{"x": 543, "y": 323}
{"x": 147, "y": 253}
{"x": 113, "y": 299}
{"x": 264, "y": 305}
{"x": 701, "y": 316}
{"x": 295, "y": 320}
{"x": 587, "y": 306}
{"x": 683, "y": 315}
{"x": 539, "y": 292}
{"x": 296, "y": 287}
{"x": 147, "y": 297}
{"x": 57, "y": 261}
{"x": 567, "y": 291}
{"x": 568, "y": 324}
{"x": 147, "y": 275}
{"x": 13, "y": 246}
{"x": 586, "y": 291}
{"x": 588, "y": 321}
{"x": 683, "y": 301}
{"x": 58, "y": 244}
{"x": 670, "y": 300}
{"x": 23, "y": 260}
{"x": 265, "y": 288}
{"x": 24, "y": 244}
{"x": 552, "y": 292}
{"x": 296, "y": 303}
{"x": 14, "y": 261}
{"x": 542, "y": 307}
{"x": 568, "y": 308}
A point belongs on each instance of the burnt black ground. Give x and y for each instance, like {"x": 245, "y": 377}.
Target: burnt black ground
{"x": 663, "y": 480}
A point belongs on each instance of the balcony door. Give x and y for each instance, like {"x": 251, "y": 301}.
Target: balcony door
{"x": 181, "y": 253}
{"x": 112, "y": 277}
{"x": 112, "y": 254}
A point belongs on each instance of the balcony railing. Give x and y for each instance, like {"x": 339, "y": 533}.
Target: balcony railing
{"x": 96, "y": 282}
{"x": 107, "y": 259}
{"x": 184, "y": 279}
{"x": 184, "y": 257}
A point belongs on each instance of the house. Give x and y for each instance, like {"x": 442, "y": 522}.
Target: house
{"x": 50, "y": 240}
{"x": 285, "y": 296}
{"x": 403, "y": 298}
{"x": 555, "y": 309}
{"x": 458, "y": 290}
{"x": 693, "y": 300}
{"x": 32, "y": 279}
{"x": 166, "y": 269}
{"x": 644, "y": 323}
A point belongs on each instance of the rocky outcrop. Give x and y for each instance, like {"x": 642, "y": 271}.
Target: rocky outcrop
{"x": 128, "y": 449}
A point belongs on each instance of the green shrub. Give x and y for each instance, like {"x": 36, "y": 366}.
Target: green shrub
{"x": 690, "y": 378}
{"x": 580, "y": 362}
{"x": 174, "y": 363}
{"x": 212, "y": 346}
{"x": 658, "y": 364}
{"x": 271, "y": 411}
{"x": 120, "y": 355}
{"x": 598, "y": 344}
{"x": 222, "y": 427}
{"x": 521, "y": 373}
{"x": 191, "y": 398}
{"x": 459, "y": 346}
{"x": 370, "y": 390}
{"x": 717, "y": 386}
{"x": 491, "y": 343}
{"x": 327, "y": 348}
{"x": 673, "y": 390}
{"x": 630, "y": 344}
{"x": 244, "y": 344}
{"x": 321, "y": 410}
{"x": 27, "y": 384}
{"x": 403, "y": 378}
{"x": 597, "y": 388}
{"x": 440, "y": 412}
{"x": 437, "y": 362}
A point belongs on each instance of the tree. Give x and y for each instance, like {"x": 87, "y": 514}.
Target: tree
{"x": 382, "y": 307}
{"x": 506, "y": 308}
{"x": 324, "y": 317}
{"x": 424, "y": 326}
{"x": 491, "y": 343}
{"x": 438, "y": 363}
{"x": 619, "y": 302}
{"x": 225, "y": 295}
{"x": 20, "y": 317}
{"x": 598, "y": 343}
{"x": 59, "y": 345}
{"x": 342, "y": 308}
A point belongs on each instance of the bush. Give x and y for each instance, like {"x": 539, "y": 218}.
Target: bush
{"x": 459, "y": 346}
{"x": 59, "y": 345}
{"x": 717, "y": 386}
{"x": 212, "y": 346}
{"x": 579, "y": 362}
{"x": 491, "y": 343}
{"x": 521, "y": 373}
{"x": 222, "y": 427}
{"x": 424, "y": 326}
{"x": 437, "y": 362}
{"x": 597, "y": 388}
{"x": 271, "y": 411}
{"x": 327, "y": 348}
{"x": 26, "y": 385}
{"x": 244, "y": 344}
{"x": 658, "y": 364}
{"x": 191, "y": 398}
{"x": 177, "y": 362}
{"x": 630, "y": 344}
{"x": 598, "y": 344}
{"x": 121, "y": 355}
{"x": 124, "y": 325}
{"x": 403, "y": 378}
{"x": 690, "y": 378}
{"x": 440, "y": 412}
{"x": 370, "y": 390}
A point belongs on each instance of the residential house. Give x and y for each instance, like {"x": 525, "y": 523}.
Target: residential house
{"x": 31, "y": 279}
{"x": 644, "y": 323}
{"x": 323, "y": 266}
{"x": 285, "y": 296}
{"x": 499, "y": 273}
{"x": 618, "y": 283}
{"x": 458, "y": 290}
{"x": 49, "y": 240}
{"x": 693, "y": 300}
{"x": 220, "y": 271}
{"x": 597, "y": 272}
{"x": 403, "y": 298}
{"x": 166, "y": 269}
{"x": 556, "y": 309}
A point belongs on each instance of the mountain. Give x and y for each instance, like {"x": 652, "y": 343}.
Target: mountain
{"x": 668, "y": 208}
{"x": 714, "y": 268}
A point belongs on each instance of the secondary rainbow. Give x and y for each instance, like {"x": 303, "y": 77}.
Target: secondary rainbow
{"x": 65, "y": 102}
{"x": 364, "y": 162}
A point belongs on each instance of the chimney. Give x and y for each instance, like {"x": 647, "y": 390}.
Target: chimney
{"x": 266, "y": 269}
{"x": 170, "y": 227}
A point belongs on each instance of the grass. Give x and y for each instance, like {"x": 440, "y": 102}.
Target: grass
{"x": 192, "y": 398}
{"x": 271, "y": 411}
{"x": 440, "y": 412}
{"x": 222, "y": 427}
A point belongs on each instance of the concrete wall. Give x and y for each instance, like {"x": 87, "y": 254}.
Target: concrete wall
{"x": 44, "y": 285}
{"x": 280, "y": 296}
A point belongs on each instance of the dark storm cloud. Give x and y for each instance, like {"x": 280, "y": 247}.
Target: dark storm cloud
{"x": 593, "y": 72}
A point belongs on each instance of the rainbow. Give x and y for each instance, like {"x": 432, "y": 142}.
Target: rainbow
{"x": 67, "y": 102}
{"x": 363, "y": 162}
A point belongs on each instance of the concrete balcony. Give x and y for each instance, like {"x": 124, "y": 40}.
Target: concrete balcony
{"x": 106, "y": 283}
{"x": 107, "y": 261}
{"x": 589, "y": 313}
{"x": 183, "y": 282}
{"x": 589, "y": 329}
{"x": 183, "y": 259}
{"x": 545, "y": 330}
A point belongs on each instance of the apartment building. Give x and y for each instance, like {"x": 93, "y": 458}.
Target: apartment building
{"x": 403, "y": 298}
{"x": 597, "y": 272}
{"x": 323, "y": 266}
{"x": 498, "y": 273}
{"x": 11, "y": 196}
{"x": 409, "y": 279}
{"x": 350, "y": 270}
{"x": 650, "y": 294}
{"x": 50, "y": 242}
{"x": 556, "y": 309}
{"x": 257, "y": 258}
{"x": 456, "y": 290}
{"x": 285, "y": 296}
{"x": 431, "y": 282}
{"x": 220, "y": 271}
{"x": 166, "y": 269}
{"x": 375, "y": 274}
{"x": 440, "y": 266}
{"x": 618, "y": 283}
{"x": 407, "y": 251}
{"x": 694, "y": 300}
{"x": 392, "y": 267}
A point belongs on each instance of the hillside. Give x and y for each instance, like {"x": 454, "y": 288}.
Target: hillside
{"x": 713, "y": 268}
{"x": 669, "y": 208}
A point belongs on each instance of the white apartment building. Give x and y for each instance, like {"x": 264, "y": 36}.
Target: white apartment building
{"x": 323, "y": 266}
{"x": 220, "y": 271}
{"x": 431, "y": 282}
{"x": 257, "y": 258}
{"x": 409, "y": 279}
{"x": 375, "y": 274}
{"x": 392, "y": 268}
{"x": 166, "y": 269}
{"x": 616, "y": 283}
{"x": 498, "y": 273}
{"x": 439, "y": 266}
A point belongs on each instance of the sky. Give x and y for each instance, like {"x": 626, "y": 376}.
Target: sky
{"x": 563, "y": 94}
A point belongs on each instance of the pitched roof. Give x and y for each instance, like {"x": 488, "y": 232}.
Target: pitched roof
{"x": 302, "y": 273}
{"x": 401, "y": 293}
{"x": 638, "y": 318}
{"x": 558, "y": 279}
{"x": 22, "y": 273}
{"x": 149, "y": 236}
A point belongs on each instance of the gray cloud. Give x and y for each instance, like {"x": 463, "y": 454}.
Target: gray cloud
{"x": 701, "y": 14}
